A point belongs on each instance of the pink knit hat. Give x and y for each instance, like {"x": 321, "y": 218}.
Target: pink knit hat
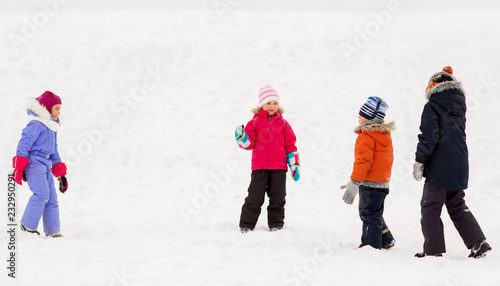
{"x": 267, "y": 94}
{"x": 49, "y": 99}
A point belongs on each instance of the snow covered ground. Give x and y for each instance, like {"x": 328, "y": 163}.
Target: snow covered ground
{"x": 156, "y": 180}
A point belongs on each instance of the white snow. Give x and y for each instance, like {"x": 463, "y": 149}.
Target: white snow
{"x": 156, "y": 180}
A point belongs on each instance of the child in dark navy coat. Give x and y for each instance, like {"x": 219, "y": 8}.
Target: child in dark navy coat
{"x": 37, "y": 161}
{"x": 442, "y": 158}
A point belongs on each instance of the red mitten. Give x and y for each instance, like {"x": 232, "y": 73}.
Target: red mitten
{"x": 19, "y": 164}
{"x": 59, "y": 170}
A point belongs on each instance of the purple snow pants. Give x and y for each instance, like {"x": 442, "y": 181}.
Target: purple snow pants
{"x": 433, "y": 199}
{"x": 43, "y": 202}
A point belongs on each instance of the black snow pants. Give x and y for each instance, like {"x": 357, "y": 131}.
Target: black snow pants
{"x": 433, "y": 199}
{"x": 272, "y": 182}
{"x": 375, "y": 231}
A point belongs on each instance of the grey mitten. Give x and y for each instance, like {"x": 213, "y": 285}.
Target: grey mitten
{"x": 351, "y": 192}
{"x": 418, "y": 171}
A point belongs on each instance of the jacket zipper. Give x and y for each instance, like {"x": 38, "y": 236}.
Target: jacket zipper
{"x": 269, "y": 144}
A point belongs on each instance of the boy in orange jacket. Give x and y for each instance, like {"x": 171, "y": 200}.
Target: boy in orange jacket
{"x": 372, "y": 172}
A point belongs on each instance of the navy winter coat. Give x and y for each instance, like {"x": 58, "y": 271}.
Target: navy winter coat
{"x": 442, "y": 146}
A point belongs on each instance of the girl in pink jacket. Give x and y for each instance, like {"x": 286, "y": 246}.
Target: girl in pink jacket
{"x": 272, "y": 141}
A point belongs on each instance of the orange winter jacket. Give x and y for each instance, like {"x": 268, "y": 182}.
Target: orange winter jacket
{"x": 373, "y": 153}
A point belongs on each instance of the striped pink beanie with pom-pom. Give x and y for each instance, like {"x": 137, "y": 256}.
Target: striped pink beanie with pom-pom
{"x": 267, "y": 94}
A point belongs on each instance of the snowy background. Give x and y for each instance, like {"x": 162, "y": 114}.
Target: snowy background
{"x": 156, "y": 180}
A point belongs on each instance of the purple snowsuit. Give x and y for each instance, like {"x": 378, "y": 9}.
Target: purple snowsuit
{"x": 39, "y": 144}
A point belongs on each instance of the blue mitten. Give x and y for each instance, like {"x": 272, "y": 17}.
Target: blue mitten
{"x": 294, "y": 164}
{"x": 241, "y": 137}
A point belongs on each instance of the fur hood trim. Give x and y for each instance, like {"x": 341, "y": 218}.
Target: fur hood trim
{"x": 376, "y": 125}
{"x": 38, "y": 109}
{"x": 39, "y": 113}
{"x": 258, "y": 109}
{"x": 444, "y": 86}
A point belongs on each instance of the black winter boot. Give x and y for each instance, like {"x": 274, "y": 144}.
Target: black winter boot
{"x": 421, "y": 254}
{"x": 479, "y": 249}
{"x": 23, "y": 228}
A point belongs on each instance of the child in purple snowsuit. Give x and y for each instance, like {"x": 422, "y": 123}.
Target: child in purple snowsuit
{"x": 36, "y": 160}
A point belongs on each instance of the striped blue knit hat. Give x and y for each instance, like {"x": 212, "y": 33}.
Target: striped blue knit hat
{"x": 374, "y": 107}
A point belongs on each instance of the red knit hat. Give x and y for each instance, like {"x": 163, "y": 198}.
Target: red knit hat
{"x": 49, "y": 99}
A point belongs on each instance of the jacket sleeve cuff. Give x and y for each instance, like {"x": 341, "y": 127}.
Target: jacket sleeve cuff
{"x": 354, "y": 181}
{"x": 420, "y": 159}
{"x": 293, "y": 158}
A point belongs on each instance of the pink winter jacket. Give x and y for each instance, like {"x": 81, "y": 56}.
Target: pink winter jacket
{"x": 271, "y": 139}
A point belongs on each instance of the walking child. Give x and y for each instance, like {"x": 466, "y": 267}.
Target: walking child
{"x": 272, "y": 141}
{"x": 372, "y": 172}
{"x": 37, "y": 160}
{"x": 443, "y": 159}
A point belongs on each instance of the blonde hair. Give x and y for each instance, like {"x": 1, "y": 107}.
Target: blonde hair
{"x": 258, "y": 109}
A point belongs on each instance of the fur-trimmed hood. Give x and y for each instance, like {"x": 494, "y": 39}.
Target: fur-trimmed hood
{"x": 264, "y": 114}
{"x": 258, "y": 109}
{"x": 447, "y": 85}
{"x": 376, "y": 125}
{"x": 450, "y": 96}
{"x": 38, "y": 109}
{"x": 38, "y": 112}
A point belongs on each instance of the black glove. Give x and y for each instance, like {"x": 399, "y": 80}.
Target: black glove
{"x": 63, "y": 184}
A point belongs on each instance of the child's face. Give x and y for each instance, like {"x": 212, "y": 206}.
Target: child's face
{"x": 271, "y": 107}
{"x": 362, "y": 119}
{"x": 55, "y": 111}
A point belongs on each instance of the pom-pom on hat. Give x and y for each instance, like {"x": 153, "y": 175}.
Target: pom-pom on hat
{"x": 374, "y": 107}
{"x": 442, "y": 76}
{"x": 49, "y": 99}
{"x": 439, "y": 77}
{"x": 267, "y": 94}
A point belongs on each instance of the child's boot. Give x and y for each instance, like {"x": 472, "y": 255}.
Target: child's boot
{"x": 479, "y": 249}
{"x": 33, "y": 231}
{"x": 422, "y": 254}
{"x": 55, "y": 235}
{"x": 244, "y": 229}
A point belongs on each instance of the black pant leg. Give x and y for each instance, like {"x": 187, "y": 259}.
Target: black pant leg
{"x": 276, "y": 192}
{"x": 387, "y": 236}
{"x": 433, "y": 199}
{"x": 253, "y": 202}
{"x": 462, "y": 218}
{"x": 371, "y": 210}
